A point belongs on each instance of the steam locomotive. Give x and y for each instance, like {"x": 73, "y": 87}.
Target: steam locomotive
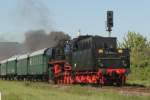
{"x": 92, "y": 60}
{"x": 82, "y": 60}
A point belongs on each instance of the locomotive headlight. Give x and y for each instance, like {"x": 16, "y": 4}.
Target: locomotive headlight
{"x": 100, "y": 50}
{"x": 120, "y": 51}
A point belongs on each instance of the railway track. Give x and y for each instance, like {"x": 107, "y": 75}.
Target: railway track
{"x": 129, "y": 90}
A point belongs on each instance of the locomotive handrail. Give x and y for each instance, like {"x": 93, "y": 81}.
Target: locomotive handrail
{"x": 109, "y": 58}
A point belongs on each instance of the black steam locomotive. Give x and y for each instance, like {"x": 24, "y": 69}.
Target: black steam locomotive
{"x": 90, "y": 59}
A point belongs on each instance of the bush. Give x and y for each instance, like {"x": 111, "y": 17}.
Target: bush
{"x": 140, "y": 49}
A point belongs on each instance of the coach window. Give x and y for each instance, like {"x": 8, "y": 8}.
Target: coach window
{"x": 33, "y": 60}
{"x": 38, "y": 60}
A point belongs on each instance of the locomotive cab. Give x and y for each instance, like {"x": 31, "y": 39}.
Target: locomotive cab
{"x": 90, "y": 59}
{"x": 93, "y": 53}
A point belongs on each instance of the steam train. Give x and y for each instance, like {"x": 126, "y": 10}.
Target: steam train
{"x": 82, "y": 60}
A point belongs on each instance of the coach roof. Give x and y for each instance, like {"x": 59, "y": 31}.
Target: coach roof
{"x": 39, "y": 52}
{"x": 24, "y": 56}
{"x": 13, "y": 58}
{"x": 3, "y": 61}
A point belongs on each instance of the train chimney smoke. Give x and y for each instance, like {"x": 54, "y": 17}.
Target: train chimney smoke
{"x": 36, "y": 40}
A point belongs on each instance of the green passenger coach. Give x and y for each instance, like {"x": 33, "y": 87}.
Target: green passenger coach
{"x": 12, "y": 66}
{"x": 3, "y": 68}
{"x": 22, "y": 65}
{"x": 38, "y": 63}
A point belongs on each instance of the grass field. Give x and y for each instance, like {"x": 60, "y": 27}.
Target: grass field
{"x": 42, "y": 91}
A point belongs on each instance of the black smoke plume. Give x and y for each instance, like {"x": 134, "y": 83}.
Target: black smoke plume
{"x": 35, "y": 40}
{"x": 32, "y": 15}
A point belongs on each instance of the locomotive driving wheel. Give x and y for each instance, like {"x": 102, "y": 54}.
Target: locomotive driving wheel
{"x": 121, "y": 81}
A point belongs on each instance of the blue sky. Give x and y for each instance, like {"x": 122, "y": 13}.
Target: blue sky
{"x": 71, "y": 15}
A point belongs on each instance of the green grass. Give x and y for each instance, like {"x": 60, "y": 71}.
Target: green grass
{"x": 42, "y": 91}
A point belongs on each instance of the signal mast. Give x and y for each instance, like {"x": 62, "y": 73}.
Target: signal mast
{"x": 109, "y": 22}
